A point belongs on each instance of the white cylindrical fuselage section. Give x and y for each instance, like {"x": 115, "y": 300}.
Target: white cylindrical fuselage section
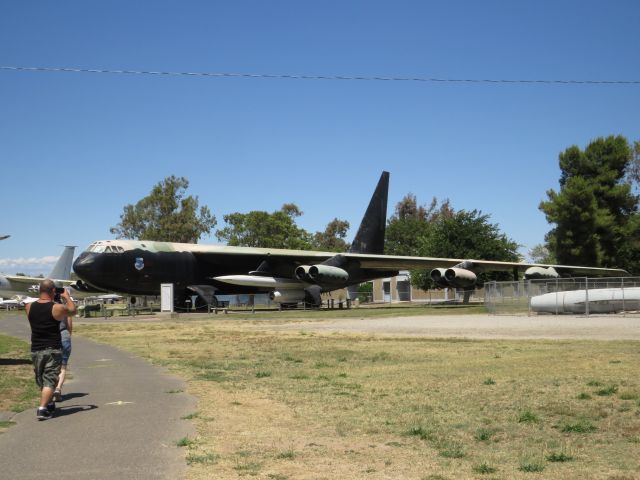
{"x": 601, "y": 300}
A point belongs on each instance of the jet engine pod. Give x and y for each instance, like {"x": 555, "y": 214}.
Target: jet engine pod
{"x": 81, "y": 286}
{"x": 325, "y": 274}
{"x": 533, "y": 273}
{"x": 460, "y": 277}
{"x": 287, "y": 296}
{"x": 437, "y": 275}
{"x": 302, "y": 273}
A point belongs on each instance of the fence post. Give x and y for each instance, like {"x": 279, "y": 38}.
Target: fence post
{"x": 586, "y": 296}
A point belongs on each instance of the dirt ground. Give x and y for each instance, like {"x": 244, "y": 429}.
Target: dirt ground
{"x": 603, "y": 327}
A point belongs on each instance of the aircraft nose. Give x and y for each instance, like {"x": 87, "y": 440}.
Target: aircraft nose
{"x": 85, "y": 265}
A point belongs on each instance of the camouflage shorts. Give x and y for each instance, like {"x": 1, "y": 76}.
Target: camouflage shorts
{"x": 46, "y": 366}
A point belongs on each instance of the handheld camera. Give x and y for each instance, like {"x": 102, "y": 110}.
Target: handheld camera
{"x": 56, "y": 297}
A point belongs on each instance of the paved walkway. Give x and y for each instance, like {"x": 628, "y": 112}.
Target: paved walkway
{"x": 120, "y": 418}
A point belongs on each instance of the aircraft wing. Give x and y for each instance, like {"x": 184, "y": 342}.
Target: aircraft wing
{"x": 29, "y": 284}
{"x": 295, "y": 270}
{"x": 391, "y": 262}
{"x": 20, "y": 280}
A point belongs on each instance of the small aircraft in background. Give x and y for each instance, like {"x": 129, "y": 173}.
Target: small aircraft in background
{"x": 17, "y": 301}
{"x": 4, "y": 237}
{"x": 60, "y": 274}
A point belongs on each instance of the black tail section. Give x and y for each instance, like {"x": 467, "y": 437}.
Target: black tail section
{"x": 370, "y": 236}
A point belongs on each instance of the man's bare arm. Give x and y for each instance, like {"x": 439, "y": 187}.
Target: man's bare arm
{"x": 66, "y": 309}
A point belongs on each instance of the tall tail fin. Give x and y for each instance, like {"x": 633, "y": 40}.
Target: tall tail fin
{"x": 370, "y": 236}
{"x": 62, "y": 268}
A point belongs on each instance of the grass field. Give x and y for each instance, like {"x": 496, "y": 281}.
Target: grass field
{"x": 296, "y": 406}
{"x": 18, "y": 390}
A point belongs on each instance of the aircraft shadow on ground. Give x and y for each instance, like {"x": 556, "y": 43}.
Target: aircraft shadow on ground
{"x": 14, "y": 361}
{"x": 71, "y": 409}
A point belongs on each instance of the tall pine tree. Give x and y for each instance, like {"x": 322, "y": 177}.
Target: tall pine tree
{"x": 595, "y": 213}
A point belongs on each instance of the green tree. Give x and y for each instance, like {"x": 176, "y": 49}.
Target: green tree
{"x": 595, "y": 212}
{"x": 408, "y": 229}
{"x": 411, "y": 223}
{"x": 266, "y": 230}
{"x": 166, "y": 215}
{"x": 333, "y": 237}
{"x": 633, "y": 170}
{"x": 541, "y": 254}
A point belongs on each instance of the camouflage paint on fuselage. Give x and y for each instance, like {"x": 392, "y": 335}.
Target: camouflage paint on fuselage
{"x": 139, "y": 267}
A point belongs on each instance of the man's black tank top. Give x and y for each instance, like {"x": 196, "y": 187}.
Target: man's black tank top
{"x": 45, "y": 330}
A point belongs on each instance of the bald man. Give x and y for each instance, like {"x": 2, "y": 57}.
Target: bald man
{"x": 46, "y": 343}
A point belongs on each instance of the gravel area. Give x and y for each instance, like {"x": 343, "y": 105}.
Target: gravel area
{"x": 611, "y": 327}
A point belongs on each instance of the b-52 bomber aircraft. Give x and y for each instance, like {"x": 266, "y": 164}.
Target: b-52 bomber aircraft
{"x": 135, "y": 267}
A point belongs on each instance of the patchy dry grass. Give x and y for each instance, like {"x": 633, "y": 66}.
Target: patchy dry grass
{"x": 292, "y": 405}
{"x": 18, "y": 390}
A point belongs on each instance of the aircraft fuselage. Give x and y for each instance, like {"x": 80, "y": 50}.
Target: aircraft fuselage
{"x": 133, "y": 269}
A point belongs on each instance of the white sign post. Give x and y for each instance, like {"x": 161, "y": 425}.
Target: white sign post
{"x": 166, "y": 297}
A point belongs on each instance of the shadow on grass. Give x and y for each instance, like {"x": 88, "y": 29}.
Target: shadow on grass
{"x": 14, "y": 361}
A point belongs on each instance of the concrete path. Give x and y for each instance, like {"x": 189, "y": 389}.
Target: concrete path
{"x": 120, "y": 418}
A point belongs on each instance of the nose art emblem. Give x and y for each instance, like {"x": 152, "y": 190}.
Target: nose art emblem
{"x": 139, "y": 263}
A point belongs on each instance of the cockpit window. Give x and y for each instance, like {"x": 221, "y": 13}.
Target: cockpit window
{"x": 100, "y": 248}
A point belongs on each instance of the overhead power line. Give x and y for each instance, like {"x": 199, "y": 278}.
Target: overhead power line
{"x": 320, "y": 77}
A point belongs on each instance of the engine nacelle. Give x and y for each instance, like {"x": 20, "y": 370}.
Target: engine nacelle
{"x": 460, "y": 277}
{"x": 327, "y": 274}
{"x": 287, "y": 296}
{"x": 533, "y": 273}
{"x": 321, "y": 274}
{"x": 81, "y": 286}
{"x": 437, "y": 275}
{"x": 302, "y": 273}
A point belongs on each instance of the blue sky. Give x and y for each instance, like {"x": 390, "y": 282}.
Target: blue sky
{"x": 76, "y": 147}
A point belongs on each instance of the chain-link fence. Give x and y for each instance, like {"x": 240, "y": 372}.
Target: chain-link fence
{"x": 557, "y": 296}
